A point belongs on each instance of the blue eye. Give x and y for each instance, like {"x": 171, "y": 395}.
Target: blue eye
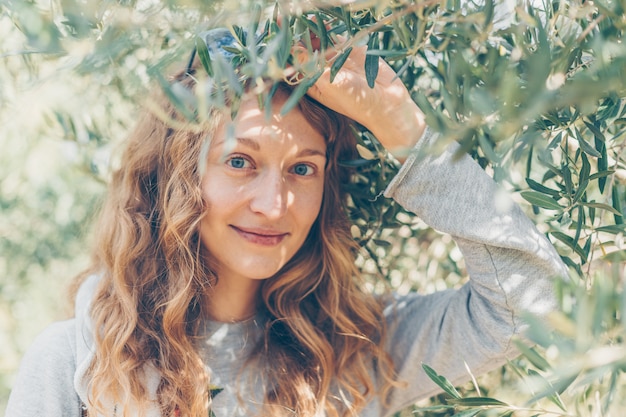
{"x": 303, "y": 169}
{"x": 238, "y": 162}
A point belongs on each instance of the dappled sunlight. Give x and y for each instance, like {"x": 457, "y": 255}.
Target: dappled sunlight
{"x": 534, "y": 94}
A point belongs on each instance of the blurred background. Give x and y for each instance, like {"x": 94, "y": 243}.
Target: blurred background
{"x": 534, "y": 91}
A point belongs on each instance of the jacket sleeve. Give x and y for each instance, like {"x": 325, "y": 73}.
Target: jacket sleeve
{"x": 512, "y": 268}
{"x": 44, "y": 386}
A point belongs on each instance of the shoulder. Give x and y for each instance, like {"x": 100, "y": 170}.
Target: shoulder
{"x": 44, "y": 385}
{"x": 55, "y": 343}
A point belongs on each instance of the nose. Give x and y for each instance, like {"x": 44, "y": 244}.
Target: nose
{"x": 270, "y": 195}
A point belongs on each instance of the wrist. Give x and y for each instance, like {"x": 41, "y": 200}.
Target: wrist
{"x": 400, "y": 132}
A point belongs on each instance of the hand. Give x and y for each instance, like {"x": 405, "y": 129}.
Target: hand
{"x": 387, "y": 110}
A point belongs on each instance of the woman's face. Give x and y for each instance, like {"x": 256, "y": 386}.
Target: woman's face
{"x": 263, "y": 189}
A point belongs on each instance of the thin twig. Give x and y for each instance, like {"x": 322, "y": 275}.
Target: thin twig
{"x": 384, "y": 21}
{"x": 589, "y": 28}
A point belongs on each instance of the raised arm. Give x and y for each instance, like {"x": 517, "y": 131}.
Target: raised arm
{"x": 512, "y": 266}
{"x": 386, "y": 110}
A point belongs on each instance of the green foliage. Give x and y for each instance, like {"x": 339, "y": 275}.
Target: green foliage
{"x": 534, "y": 92}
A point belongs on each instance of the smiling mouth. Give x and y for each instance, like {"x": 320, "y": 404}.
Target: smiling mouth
{"x": 260, "y": 237}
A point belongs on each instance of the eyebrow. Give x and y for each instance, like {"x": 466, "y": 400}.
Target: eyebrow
{"x": 311, "y": 152}
{"x": 251, "y": 143}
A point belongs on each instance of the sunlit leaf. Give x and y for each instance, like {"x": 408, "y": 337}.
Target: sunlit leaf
{"x": 174, "y": 96}
{"x": 580, "y": 223}
{"x": 441, "y": 381}
{"x": 569, "y": 242}
{"x": 541, "y": 200}
{"x": 602, "y": 161}
{"x": 616, "y": 201}
{"x": 371, "y": 62}
{"x": 596, "y": 132}
{"x": 566, "y": 173}
{"x": 603, "y": 207}
{"x": 585, "y": 146}
{"x": 390, "y": 54}
{"x": 583, "y": 179}
{"x": 542, "y": 188}
{"x": 547, "y": 390}
{"x": 338, "y": 63}
{"x": 616, "y": 256}
{"x": 364, "y": 152}
{"x": 467, "y": 413}
{"x": 601, "y": 175}
{"x": 476, "y": 402}
{"x": 298, "y": 93}
{"x": 532, "y": 355}
{"x": 205, "y": 57}
{"x": 612, "y": 228}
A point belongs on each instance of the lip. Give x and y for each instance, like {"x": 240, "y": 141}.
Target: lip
{"x": 263, "y": 237}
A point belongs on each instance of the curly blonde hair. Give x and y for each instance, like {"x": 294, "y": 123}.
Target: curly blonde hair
{"x": 151, "y": 299}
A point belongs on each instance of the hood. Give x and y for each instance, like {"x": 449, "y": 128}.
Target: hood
{"x": 85, "y": 353}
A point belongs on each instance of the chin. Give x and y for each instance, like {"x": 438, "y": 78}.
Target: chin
{"x": 256, "y": 272}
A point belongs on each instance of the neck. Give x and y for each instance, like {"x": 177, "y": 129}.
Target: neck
{"x": 232, "y": 300}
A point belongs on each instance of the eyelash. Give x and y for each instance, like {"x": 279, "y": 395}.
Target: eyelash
{"x": 251, "y": 165}
{"x": 238, "y": 157}
{"x": 311, "y": 167}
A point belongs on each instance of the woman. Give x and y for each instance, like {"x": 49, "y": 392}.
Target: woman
{"x": 227, "y": 280}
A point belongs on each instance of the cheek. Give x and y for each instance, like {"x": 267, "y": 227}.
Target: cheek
{"x": 219, "y": 199}
{"x": 217, "y": 192}
{"x": 309, "y": 203}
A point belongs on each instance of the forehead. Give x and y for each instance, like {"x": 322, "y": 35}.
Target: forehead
{"x": 257, "y": 123}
